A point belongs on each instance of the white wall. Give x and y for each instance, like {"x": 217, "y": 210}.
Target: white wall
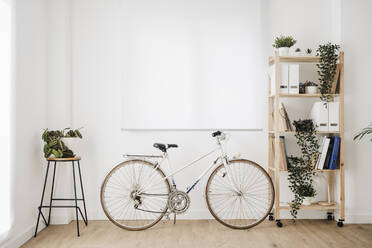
{"x": 356, "y": 41}
{"x": 29, "y": 108}
{"x": 88, "y": 83}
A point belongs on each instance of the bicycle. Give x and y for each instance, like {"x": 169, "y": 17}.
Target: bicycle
{"x": 136, "y": 194}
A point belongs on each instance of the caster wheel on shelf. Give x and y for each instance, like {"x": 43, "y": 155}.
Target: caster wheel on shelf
{"x": 340, "y": 224}
{"x": 279, "y": 223}
{"x": 330, "y": 217}
{"x": 271, "y": 217}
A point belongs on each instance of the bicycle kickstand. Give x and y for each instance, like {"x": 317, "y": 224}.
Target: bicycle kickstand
{"x": 174, "y": 219}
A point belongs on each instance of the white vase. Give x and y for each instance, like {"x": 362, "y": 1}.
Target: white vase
{"x": 311, "y": 89}
{"x": 73, "y": 144}
{"x": 283, "y": 51}
{"x": 307, "y": 201}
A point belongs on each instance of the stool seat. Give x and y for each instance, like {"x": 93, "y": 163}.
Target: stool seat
{"x": 64, "y": 159}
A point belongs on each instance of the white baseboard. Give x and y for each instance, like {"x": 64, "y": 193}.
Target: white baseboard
{"x": 22, "y": 237}
{"x": 19, "y": 239}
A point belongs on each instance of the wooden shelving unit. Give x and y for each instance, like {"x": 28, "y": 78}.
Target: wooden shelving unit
{"x": 274, "y": 133}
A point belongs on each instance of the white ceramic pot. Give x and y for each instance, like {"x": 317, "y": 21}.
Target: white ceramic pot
{"x": 73, "y": 144}
{"x": 298, "y": 53}
{"x": 311, "y": 89}
{"x": 307, "y": 201}
{"x": 283, "y": 51}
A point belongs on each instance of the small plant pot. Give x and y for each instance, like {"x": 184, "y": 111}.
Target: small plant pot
{"x": 311, "y": 89}
{"x": 283, "y": 51}
{"x": 307, "y": 201}
{"x": 73, "y": 144}
{"x": 298, "y": 53}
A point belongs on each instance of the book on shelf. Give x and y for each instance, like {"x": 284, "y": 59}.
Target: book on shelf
{"x": 283, "y": 153}
{"x": 321, "y": 144}
{"x": 323, "y": 154}
{"x": 328, "y": 156}
{"x": 328, "y": 153}
{"x": 336, "y": 80}
{"x": 285, "y": 122}
{"x": 335, "y": 153}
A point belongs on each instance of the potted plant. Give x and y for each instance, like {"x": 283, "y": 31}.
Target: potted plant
{"x": 327, "y": 65}
{"x": 311, "y": 87}
{"x": 71, "y": 139}
{"x": 283, "y": 43}
{"x": 298, "y": 51}
{"x": 308, "y": 51}
{"x": 300, "y": 169}
{"x": 55, "y": 146}
{"x": 306, "y": 191}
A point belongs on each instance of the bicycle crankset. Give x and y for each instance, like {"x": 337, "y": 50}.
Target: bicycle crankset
{"x": 178, "y": 202}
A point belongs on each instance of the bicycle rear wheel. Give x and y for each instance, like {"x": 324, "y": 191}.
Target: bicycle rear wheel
{"x": 240, "y": 195}
{"x": 134, "y": 195}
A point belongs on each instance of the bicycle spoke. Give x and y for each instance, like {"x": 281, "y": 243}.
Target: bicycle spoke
{"x": 247, "y": 206}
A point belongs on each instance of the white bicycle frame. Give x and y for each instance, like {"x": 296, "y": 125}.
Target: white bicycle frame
{"x": 165, "y": 158}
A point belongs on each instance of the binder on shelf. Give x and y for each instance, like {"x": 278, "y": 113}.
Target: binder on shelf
{"x": 328, "y": 156}
{"x": 319, "y": 115}
{"x": 334, "y": 116}
{"x": 283, "y": 80}
{"x": 323, "y": 155}
{"x": 294, "y": 79}
{"x": 335, "y": 153}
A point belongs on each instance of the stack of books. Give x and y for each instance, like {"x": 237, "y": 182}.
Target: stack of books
{"x": 329, "y": 154}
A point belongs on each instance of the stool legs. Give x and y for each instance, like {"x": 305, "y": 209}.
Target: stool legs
{"x": 51, "y": 194}
{"x": 82, "y": 194}
{"x": 41, "y": 202}
{"x": 77, "y": 208}
{"x": 76, "y": 205}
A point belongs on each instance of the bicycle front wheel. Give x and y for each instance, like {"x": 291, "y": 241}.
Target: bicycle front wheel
{"x": 240, "y": 195}
{"x": 134, "y": 195}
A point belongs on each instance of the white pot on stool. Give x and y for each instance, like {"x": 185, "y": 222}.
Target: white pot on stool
{"x": 73, "y": 144}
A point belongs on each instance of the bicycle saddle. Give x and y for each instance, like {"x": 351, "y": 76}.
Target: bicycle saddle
{"x": 164, "y": 147}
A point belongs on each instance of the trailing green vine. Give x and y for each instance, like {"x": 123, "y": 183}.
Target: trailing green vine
{"x": 327, "y": 68}
{"x": 300, "y": 169}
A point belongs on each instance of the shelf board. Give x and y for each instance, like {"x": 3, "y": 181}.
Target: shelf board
{"x": 335, "y": 170}
{"x": 314, "y": 206}
{"x": 302, "y": 95}
{"x": 296, "y": 59}
{"x": 293, "y": 132}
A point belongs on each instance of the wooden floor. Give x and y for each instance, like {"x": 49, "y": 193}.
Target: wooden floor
{"x": 206, "y": 233}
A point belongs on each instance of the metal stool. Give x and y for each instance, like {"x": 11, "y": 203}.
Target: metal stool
{"x": 50, "y": 206}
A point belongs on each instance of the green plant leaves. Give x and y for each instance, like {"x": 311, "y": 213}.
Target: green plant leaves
{"x": 54, "y": 145}
{"x": 327, "y": 68}
{"x": 300, "y": 170}
{"x": 284, "y": 41}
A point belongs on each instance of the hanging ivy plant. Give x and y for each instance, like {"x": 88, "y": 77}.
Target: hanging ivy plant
{"x": 300, "y": 169}
{"x": 327, "y": 68}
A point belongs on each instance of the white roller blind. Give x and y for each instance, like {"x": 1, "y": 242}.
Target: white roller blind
{"x": 193, "y": 64}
